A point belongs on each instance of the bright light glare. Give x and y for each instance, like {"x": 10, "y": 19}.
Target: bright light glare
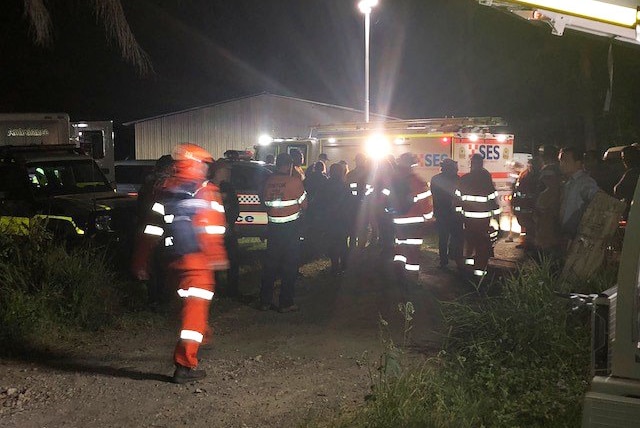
{"x": 331, "y": 140}
{"x": 501, "y": 138}
{"x": 601, "y": 11}
{"x": 81, "y": 125}
{"x": 399, "y": 140}
{"x": 365, "y": 6}
{"x": 473, "y": 138}
{"x": 377, "y": 146}
{"x": 265, "y": 140}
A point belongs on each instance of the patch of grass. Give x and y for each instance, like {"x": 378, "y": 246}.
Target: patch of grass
{"x": 48, "y": 287}
{"x": 518, "y": 359}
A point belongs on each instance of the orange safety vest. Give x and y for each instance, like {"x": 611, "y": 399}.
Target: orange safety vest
{"x": 284, "y": 197}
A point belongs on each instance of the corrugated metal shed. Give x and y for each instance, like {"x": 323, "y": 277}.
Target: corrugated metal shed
{"x": 236, "y": 124}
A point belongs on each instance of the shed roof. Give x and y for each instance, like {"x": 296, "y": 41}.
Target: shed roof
{"x": 263, "y": 94}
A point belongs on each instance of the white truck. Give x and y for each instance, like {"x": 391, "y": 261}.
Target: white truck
{"x": 432, "y": 140}
{"x": 92, "y": 137}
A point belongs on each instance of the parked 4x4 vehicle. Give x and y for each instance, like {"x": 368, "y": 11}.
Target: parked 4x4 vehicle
{"x": 64, "y": 188}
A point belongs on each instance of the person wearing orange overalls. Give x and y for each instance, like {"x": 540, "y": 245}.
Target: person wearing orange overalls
{"x": 477, "y": 202}
{"x": 193, "y": 234}
{"x": 412, "y": 207}
{"x": 285, "y": 199}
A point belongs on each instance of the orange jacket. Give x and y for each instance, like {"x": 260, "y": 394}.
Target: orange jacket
{"x": 285, "y": 198}
{"x": 202, "y": 216}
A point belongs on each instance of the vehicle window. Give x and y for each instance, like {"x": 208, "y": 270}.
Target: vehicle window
{"x": 66, "y": 177}
{"x": 92, "y": 142}
{"x": 12, "y": 182}
{"x": 244, "y": 177}
{"x": 303, "y": 150}
{"x": 132, "y": 174}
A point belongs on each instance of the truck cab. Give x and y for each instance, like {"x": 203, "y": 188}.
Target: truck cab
{"x": 64, "y": 189}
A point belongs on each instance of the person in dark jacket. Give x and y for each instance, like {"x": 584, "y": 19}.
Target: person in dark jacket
{"x": 333, "y": 200}
{"x": 157, "y": 292}
{"x": 448, "y": 222}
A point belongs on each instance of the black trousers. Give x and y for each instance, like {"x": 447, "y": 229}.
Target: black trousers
{"x": 282, "y": 256}
{"x": 450, "y": 238}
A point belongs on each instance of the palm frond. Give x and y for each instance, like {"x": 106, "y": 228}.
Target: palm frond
{"x": 39, "y": 20}
{"x": 112, "y": 16}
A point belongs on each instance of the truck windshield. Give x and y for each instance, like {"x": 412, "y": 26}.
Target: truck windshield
{"x": 66, "y": 177}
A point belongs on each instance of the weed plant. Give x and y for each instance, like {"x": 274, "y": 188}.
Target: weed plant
{"x": 516, "y": 359}
{"x": 46, "y": 287}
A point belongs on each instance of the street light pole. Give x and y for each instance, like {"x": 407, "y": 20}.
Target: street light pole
{"x": 365, "y": 7}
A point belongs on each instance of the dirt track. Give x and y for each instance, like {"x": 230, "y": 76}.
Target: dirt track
{"x": 264, "y": 368}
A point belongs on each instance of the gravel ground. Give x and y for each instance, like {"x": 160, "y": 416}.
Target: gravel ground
{"x": 264, "y": 368}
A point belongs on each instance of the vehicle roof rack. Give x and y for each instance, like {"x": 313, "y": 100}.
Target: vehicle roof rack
{"x": 446, "y": 124}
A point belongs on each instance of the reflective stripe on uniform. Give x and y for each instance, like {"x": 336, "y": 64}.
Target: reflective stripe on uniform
{"x": 200, "y": 293}
{"x": 469, "y": 262}
{"x": 399, "y": 258}
{"x": 169, "y": 218}
{"x": 287, "y": 203}
{"x": 217, "y": 206}
{"x": 421, "y": 196}
{"x": 475, "y": 198}
{"x": 386, "y": 192}
{"x": 413, "y": 268}
{"x": 428, "y": 216}
{"x": 409, "y": 241}
{"x": 214, "y": 230}
{"x": 168, "y": 241}
{"x": 153, "y": 230}
{"x": 191, "y": 335}
{"x": 408, "y": 220}
{"x": 158, "y": 207}
{"x": 479, "y": 272}
{"x": 284, "y": 219}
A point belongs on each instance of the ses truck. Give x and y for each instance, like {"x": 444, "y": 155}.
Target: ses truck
{"x": 432, "y": 140}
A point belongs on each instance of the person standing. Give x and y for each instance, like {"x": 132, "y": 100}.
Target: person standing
{"x": 145, "y": 245}
{"x": 448, "y": 222}
{"x": 332, "y": 201}
{"x": 523, "y": 202}
{"x": 626, "y": 187}
{"x": 285, "y": 199}
{"x": 221, "y": 176}
{"x": 194, "y": 226}
{"x": 578, "y": 191}
{"x": 546, "y": 211}
{"x": 412, "y": 207}
{"x": 358, "y": 181}
{"x": 478, "y": 204}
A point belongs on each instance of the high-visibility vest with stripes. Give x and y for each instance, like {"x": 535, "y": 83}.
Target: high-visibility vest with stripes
{"x": 284, "y": 197}
{"x": 476, "y": 196}
{"x": 417, "y": 199}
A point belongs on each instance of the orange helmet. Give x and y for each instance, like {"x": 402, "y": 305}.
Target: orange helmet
{"x": 191, "y": 161}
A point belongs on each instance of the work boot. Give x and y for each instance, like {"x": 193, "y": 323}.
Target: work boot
{"x": 186, "y": 374}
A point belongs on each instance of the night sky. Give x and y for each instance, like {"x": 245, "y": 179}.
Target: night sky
{"x": 430, "y": 58}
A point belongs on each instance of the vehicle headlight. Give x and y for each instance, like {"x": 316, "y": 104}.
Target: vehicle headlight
{"x": 103, "y": 222}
